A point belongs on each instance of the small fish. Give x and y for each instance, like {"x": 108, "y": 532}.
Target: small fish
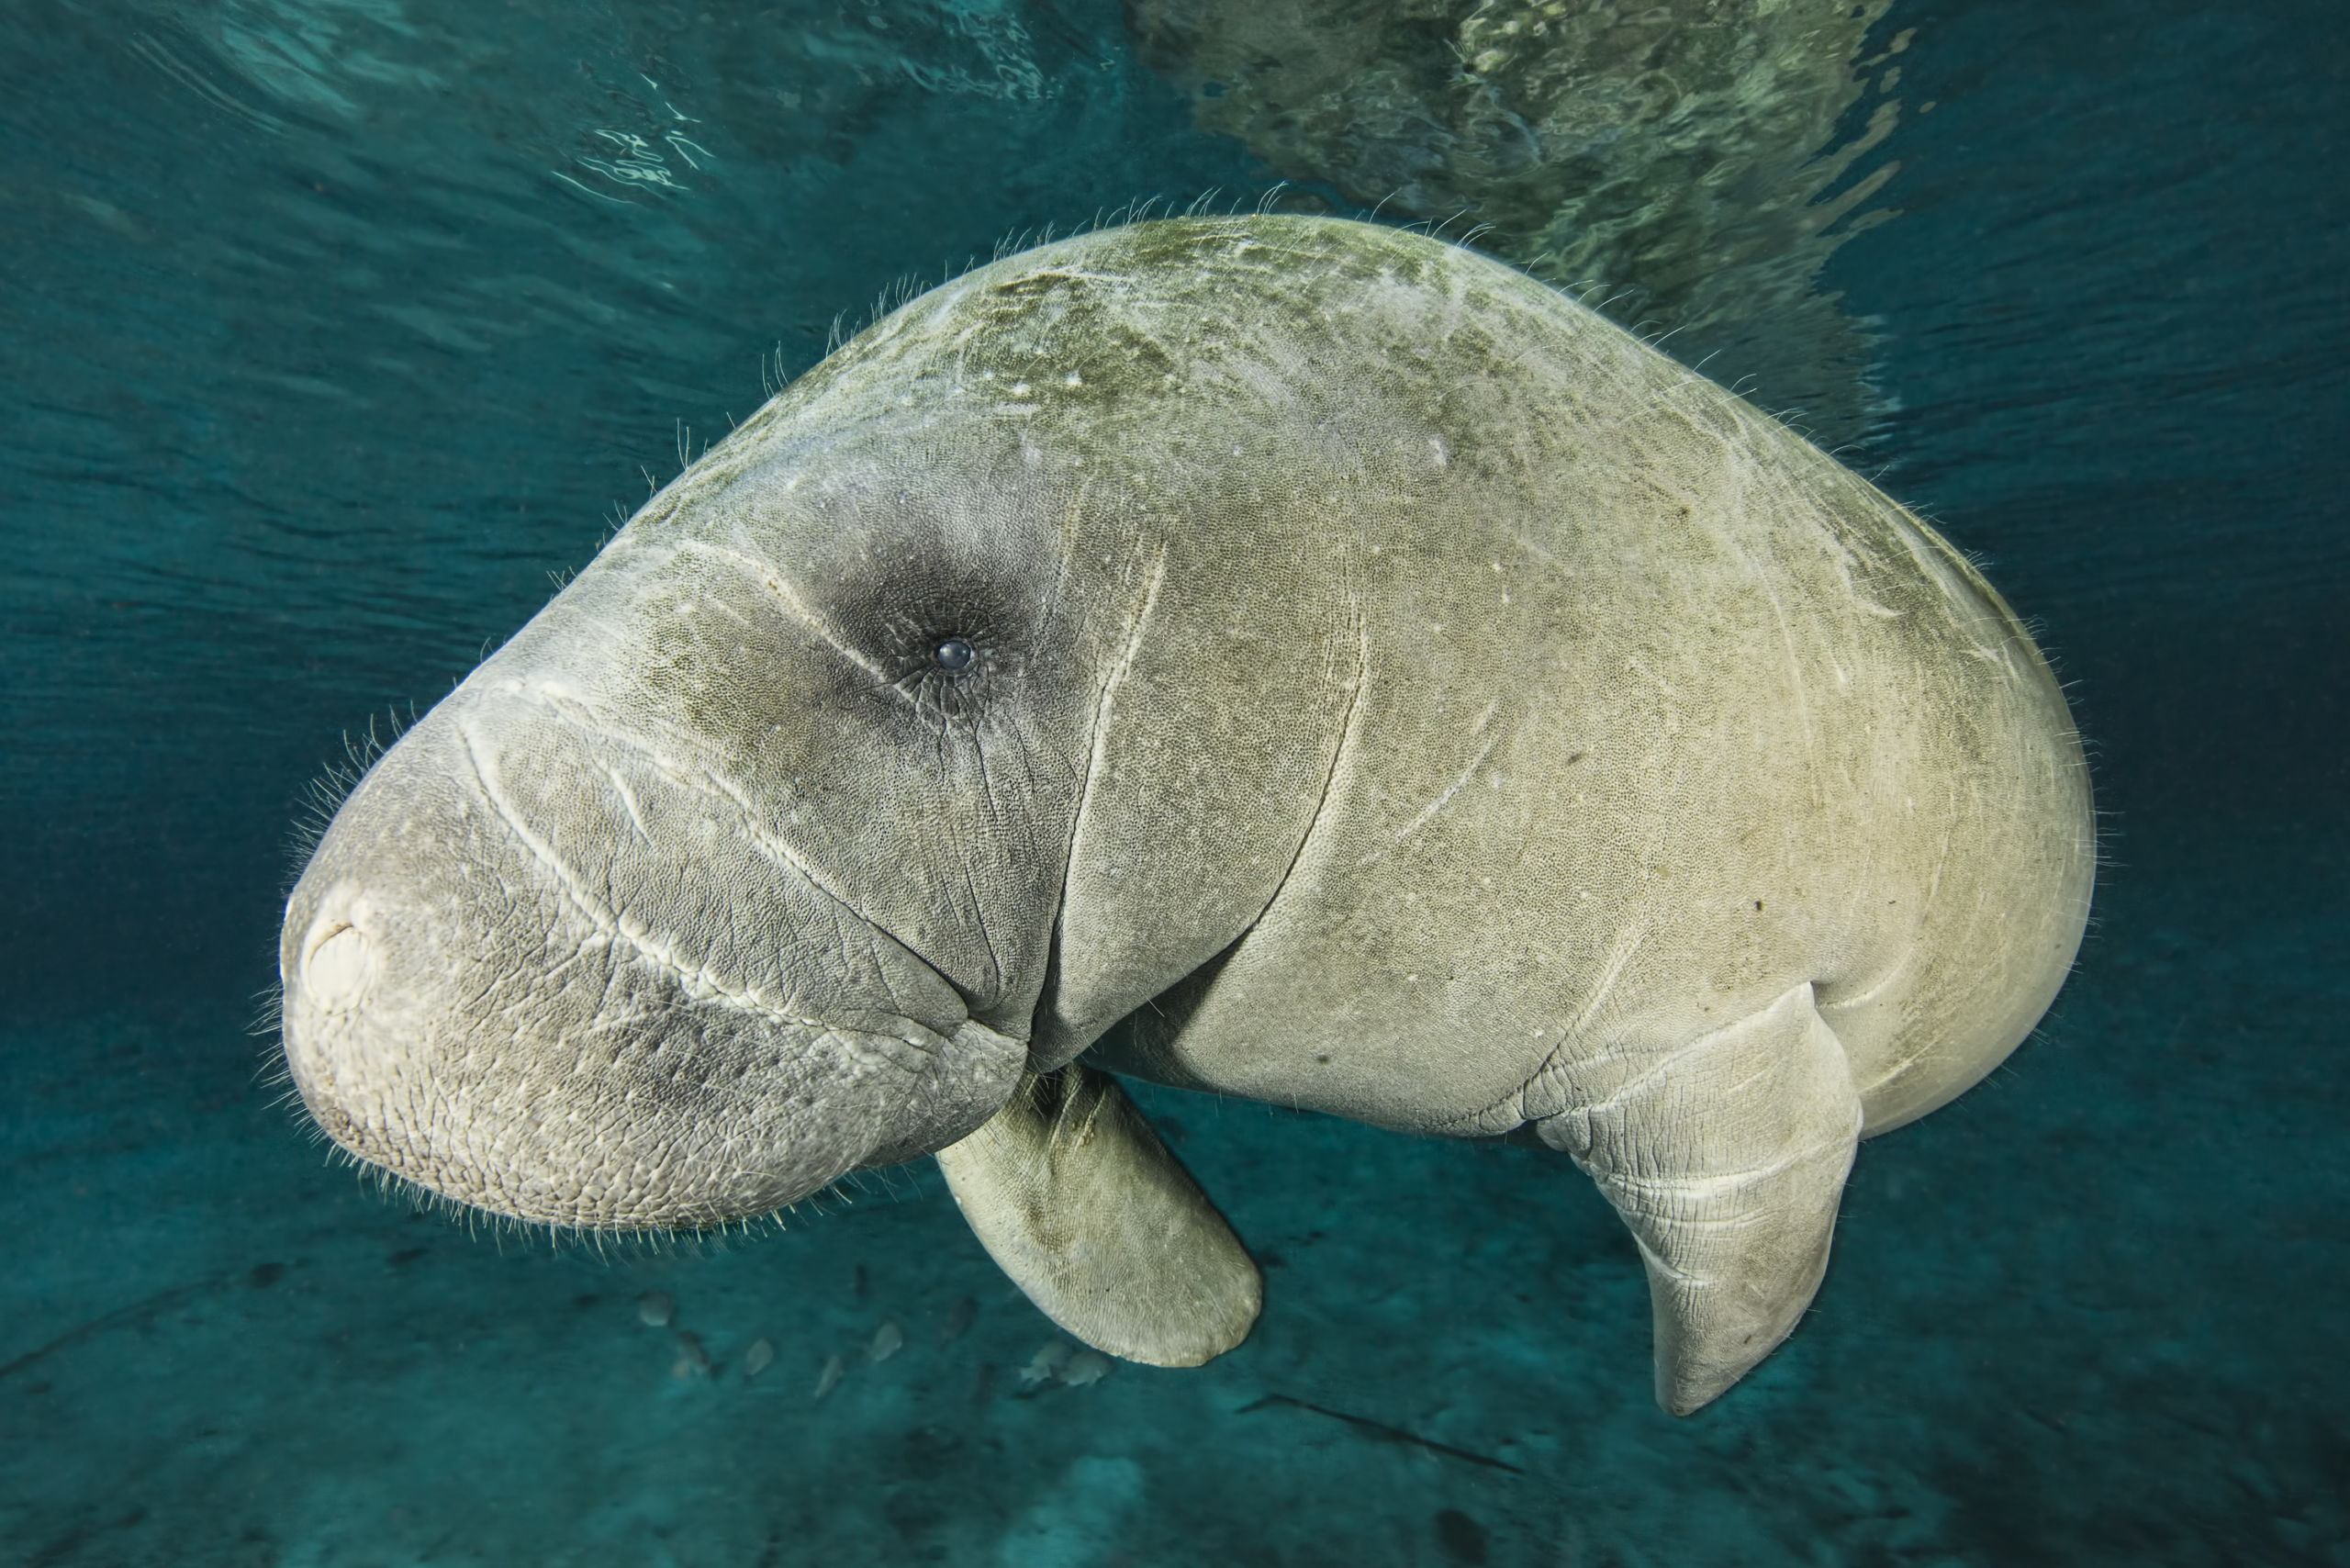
{"x": 1087, "y": 1366}
{"x": 654, "y": 1309}
{"x": 757, "y": 1358}
{"x": 692, "y": 1359}
{"x": 959, "y": 1319}
{"x": 830, "y": 1377}
{"x": 887, "y": 1341}
{"x": 1046, "y": 1364}
{"x": 858, "y": 1283}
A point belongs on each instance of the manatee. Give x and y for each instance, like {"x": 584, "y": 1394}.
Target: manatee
{"x": 1269, "y": 656}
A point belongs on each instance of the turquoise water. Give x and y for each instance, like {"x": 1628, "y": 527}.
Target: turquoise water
{"x": 332, "y": 330}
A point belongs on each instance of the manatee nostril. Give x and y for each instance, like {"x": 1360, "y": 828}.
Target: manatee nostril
{"x": 336, "y": 973}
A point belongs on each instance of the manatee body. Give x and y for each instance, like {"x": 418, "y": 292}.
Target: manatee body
{"x": 1277, "y": 656}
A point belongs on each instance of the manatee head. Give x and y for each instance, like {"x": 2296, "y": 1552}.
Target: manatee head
{"x": 540, "y": 968}
{"x": 980, "y": 688}
{"x": 737, "y": 869}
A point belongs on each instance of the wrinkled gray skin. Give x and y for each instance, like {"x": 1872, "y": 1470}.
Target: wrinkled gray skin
{"x": 1442, "y": 709}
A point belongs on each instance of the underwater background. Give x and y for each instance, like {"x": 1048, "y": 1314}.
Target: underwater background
{"x": 330, "y": 329}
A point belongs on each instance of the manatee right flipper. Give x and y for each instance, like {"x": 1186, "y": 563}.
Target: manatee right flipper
{"x": 1075, "y": 1197}
{"x": 1727, "y": 1160}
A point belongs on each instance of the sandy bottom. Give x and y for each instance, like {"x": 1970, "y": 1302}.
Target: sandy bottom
{"x": 2093, "y": 1313}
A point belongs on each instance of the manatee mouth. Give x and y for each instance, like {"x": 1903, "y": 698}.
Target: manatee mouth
{"x": 659, "y": 1110}
{"x": 677, "y": 1157}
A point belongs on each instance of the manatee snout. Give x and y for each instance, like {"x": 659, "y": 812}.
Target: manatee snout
{"x": 512, "y": 975}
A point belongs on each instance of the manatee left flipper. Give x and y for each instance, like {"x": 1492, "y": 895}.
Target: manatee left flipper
{"x": 1075, "y": 1197}
{"x": 1726, "y": 1160}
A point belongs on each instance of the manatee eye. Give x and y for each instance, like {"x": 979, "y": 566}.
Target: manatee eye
{"x": 954, "y": 656}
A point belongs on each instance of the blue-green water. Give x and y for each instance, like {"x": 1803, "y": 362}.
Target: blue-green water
{"x": 329, "y": 329}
